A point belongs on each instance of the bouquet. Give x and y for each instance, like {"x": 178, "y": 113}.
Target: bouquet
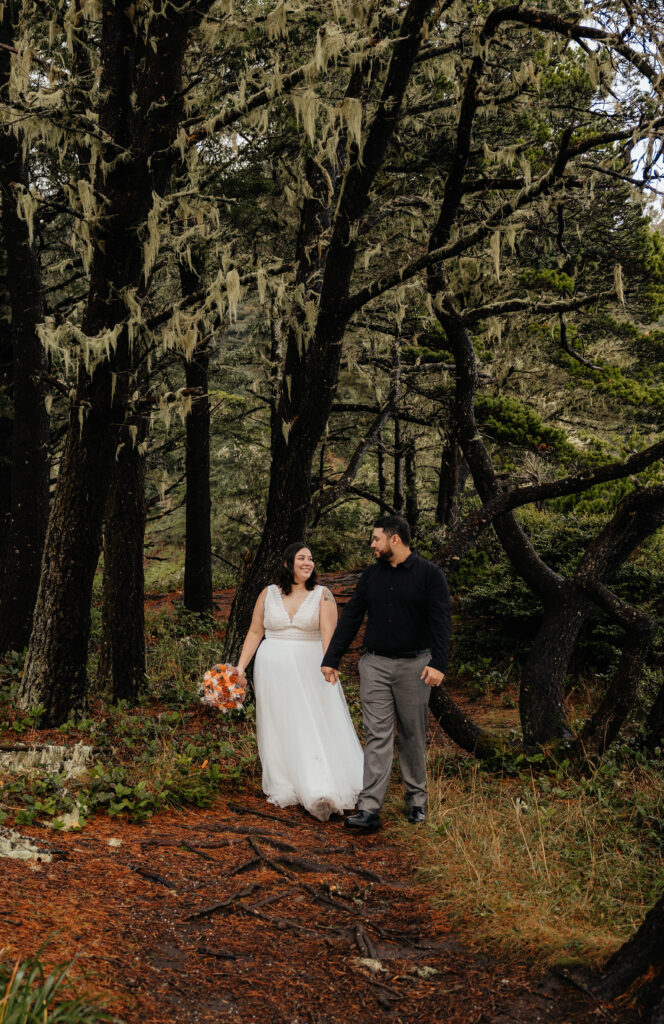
{"x": 223, "y": 688}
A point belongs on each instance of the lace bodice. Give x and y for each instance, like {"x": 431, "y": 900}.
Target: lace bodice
{"x": 303, "y": 626}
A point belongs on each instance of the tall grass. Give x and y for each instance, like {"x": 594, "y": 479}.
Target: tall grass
{"x": 34, "y": 996}
{"x": 560, "y": 867}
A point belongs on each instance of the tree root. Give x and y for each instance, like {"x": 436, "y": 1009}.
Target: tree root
{"x": 224, "y": 903}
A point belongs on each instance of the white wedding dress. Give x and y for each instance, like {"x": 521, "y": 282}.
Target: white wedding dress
{"x": 307, "y": 744}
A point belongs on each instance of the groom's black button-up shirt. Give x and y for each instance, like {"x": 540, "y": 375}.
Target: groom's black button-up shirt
{"x": 408, "y": 609}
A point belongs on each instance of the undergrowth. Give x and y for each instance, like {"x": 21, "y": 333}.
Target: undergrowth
{"x": 31, "y": 994}
{"x": 168, "y": 751}
{"x": 545, "y": 863}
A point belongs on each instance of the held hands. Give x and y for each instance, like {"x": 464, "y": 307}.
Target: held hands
{"x": 331, "y": 674}
{"x": 432, "y": 677}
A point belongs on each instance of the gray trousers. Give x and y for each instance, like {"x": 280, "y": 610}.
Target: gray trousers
{"x": 389, "y": 686}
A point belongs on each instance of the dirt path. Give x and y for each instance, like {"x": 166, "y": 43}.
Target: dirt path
{"x": 252, "y": 914}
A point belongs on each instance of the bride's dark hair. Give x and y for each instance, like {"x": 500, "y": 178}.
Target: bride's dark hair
{"x": 285, "y": 578}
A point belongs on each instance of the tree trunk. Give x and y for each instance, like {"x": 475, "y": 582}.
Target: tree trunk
{"x": 542, "y": 695}
{"x": 55, "y": 669}
{"x": 606, "y": 721}
{"x": 30, "y": 441}
{"x": 140, "y": 104}
{"x": 399, "y": 498}
{"x": 286, "y": 520}
{"x": 642, "y": 957}
{"x": 382, "y": 482}
{"x": 448, "y": 481}
{"x": 412, "y": 506}
{"x": 6, "y": 426}
{"x": 198, "y": 505}
{"x": 655, "y": 721}
{"x": 198, "y": 543}
{"x": 122, "y": 656}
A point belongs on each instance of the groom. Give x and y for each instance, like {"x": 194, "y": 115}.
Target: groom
{"x": 406, "y": 644}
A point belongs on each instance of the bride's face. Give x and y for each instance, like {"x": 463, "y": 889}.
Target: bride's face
{"x": 303, "y": 566}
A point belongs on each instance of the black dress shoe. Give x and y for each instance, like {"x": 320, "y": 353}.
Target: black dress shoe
{"x": 363, "y": 821}
{"x": 416, "y": 815}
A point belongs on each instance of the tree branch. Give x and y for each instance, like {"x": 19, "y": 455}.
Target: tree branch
{"x": 472, "y": 316}
{"x": 465, "y": 534}
{"x": 336, "y": 489}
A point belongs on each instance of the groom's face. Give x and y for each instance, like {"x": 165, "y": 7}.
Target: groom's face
{"x": 381, "y": 545}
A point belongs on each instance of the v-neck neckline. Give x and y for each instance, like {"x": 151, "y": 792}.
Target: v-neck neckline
{"x": 299, "y": 607}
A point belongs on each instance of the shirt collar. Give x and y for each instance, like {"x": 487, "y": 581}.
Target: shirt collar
{"x": 408, "y": 563}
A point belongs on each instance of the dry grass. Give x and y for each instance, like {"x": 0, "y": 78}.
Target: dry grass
{"x": 560, "y": 868}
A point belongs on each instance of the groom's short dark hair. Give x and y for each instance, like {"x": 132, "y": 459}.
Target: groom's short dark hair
{"x": 394, "y": 524}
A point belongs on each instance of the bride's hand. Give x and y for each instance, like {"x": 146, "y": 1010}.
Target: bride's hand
{"x": 331, "y": 674}
{"x": 238, "y": 671}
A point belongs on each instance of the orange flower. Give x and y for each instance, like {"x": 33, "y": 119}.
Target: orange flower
{"x": 222, "y": 688}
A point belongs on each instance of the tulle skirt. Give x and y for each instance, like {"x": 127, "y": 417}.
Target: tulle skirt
{"x": 309, "y": 751}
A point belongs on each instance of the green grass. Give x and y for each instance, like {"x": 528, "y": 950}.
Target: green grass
{"x": 33, "y": 995}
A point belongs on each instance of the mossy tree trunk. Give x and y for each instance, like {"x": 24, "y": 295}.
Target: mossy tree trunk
{"x": 30, "y": 458}
{"x": 398, "y": 494}
{"x": 140, "y": 105}
{"x": 410, "y": 468}
{"x": 382, "y": 480}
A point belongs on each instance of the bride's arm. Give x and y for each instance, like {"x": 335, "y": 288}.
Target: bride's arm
{"x": 255, "y": 634}
{"x": 328, "y": 617}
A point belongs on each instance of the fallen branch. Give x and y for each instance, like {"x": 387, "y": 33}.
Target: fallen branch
{"x": 199, "y": 853}
{"x": 151, "y": 876}
{"x": 224, "y": 903}
{"x": 325, "y": 867}
{"x": 560, "y": 972}
{"x": 12, "y": 748}
{"x": 220, "y": 955}
{"x": 280, "y": 923}
{"x": 365, "y": 944}
{"x": 317, "y": 896}
{"x": 241, "y": 830}
{"x": 251, "y": 863}
{"x": 278, "y": 843}
{"x": 237, "y": 809}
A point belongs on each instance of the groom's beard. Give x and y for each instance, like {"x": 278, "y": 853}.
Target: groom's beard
{"x": 385, "y": 556}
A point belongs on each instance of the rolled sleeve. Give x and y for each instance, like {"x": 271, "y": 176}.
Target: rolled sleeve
{"x": 349, "y": 623}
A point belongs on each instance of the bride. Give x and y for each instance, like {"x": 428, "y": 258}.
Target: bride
{"x": 306, "y": 741}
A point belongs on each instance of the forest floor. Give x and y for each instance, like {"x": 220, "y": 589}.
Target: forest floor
{"x": 246, "y": 912}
